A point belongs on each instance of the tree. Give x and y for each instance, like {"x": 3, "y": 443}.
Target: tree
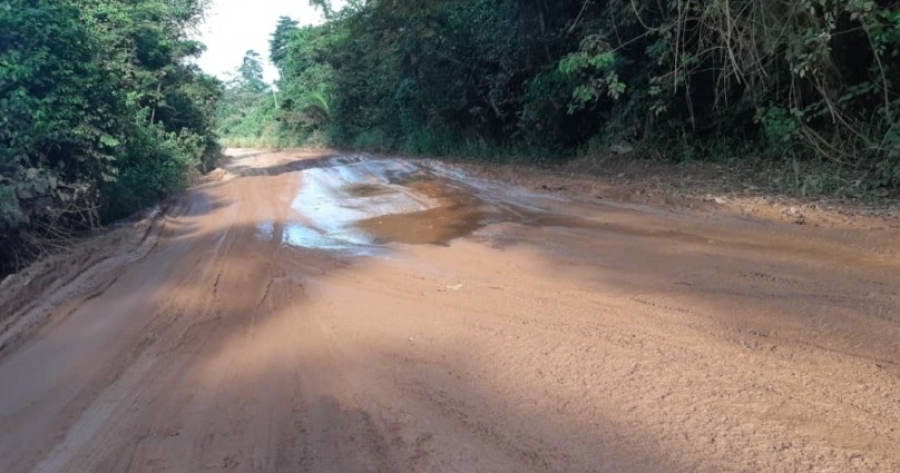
{"x": 250, "y": 73}
{"x": 808, "y": 81}
{"x": 278, "y": 44}
{"x": 100, "y": 114}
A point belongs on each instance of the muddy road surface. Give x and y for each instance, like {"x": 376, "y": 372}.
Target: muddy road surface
{"x": 320, "y": 313}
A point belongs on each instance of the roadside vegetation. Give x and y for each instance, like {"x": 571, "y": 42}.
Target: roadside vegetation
{"x": 807, "y": 86}
{"x": 100, "y": 115}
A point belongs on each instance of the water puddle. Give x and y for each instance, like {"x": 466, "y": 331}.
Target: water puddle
{"x": 302, "y": 236}
{"x": 306, "y": 237}
{"x": 434, "y": 226}
{"x": 357, "y": 205}
{"x": 368, "y": 190}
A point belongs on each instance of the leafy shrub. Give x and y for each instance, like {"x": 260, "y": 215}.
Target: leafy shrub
{"x": 811, "y": 81}
{"x": 99, "y": 114}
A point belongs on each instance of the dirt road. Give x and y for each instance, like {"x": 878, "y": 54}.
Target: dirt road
{"x": 312, "y": 313}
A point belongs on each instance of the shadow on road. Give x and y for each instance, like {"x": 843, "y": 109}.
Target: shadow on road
{"x": 606, "y": 346}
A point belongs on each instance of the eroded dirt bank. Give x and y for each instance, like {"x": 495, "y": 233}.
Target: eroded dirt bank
{"x": 317, "y": 313}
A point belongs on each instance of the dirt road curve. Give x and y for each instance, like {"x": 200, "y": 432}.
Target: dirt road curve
{"x": 311, "y": 313}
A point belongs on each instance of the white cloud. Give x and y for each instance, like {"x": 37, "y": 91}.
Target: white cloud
{"x": 233, "y": 27}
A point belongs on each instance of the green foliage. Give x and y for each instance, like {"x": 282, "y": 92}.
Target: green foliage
{"x": 247, "y": 109}
{"x": 155, "y": 164}
{"x": 250, "y": 74}
{"x": 595, "y": 63}
{"x": 806, "y": 81}
{"x": 59, "y": 112}
{"x": 278, "y": 44}
{"x": 98, "y": 113}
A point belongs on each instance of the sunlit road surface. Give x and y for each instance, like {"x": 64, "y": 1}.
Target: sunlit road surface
{"x": 323, "y": 313}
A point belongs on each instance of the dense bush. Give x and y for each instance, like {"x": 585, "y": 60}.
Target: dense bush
{"x": 800, "y": 82}
{"x": 100, "y": 114}
{"x": 808, "y": 79}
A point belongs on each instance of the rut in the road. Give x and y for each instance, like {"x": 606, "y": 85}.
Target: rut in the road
{"x": 326, "y": 313}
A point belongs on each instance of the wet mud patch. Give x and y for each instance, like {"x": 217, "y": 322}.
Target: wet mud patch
{"x": 298, "y": 235}
{"x": 368, "y": 190}
{"x": 437, "y": 226}
{"x": 366, "y": 203}
{"x": 456, "y": 213}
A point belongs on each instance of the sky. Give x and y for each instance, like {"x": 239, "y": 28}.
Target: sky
{"x": 234, "y": 26}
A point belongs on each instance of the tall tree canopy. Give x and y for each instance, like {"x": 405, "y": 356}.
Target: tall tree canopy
{"x": 250, "y": 73}
{"x": 804, "y": 80}
{"x": 278, "y": 44}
